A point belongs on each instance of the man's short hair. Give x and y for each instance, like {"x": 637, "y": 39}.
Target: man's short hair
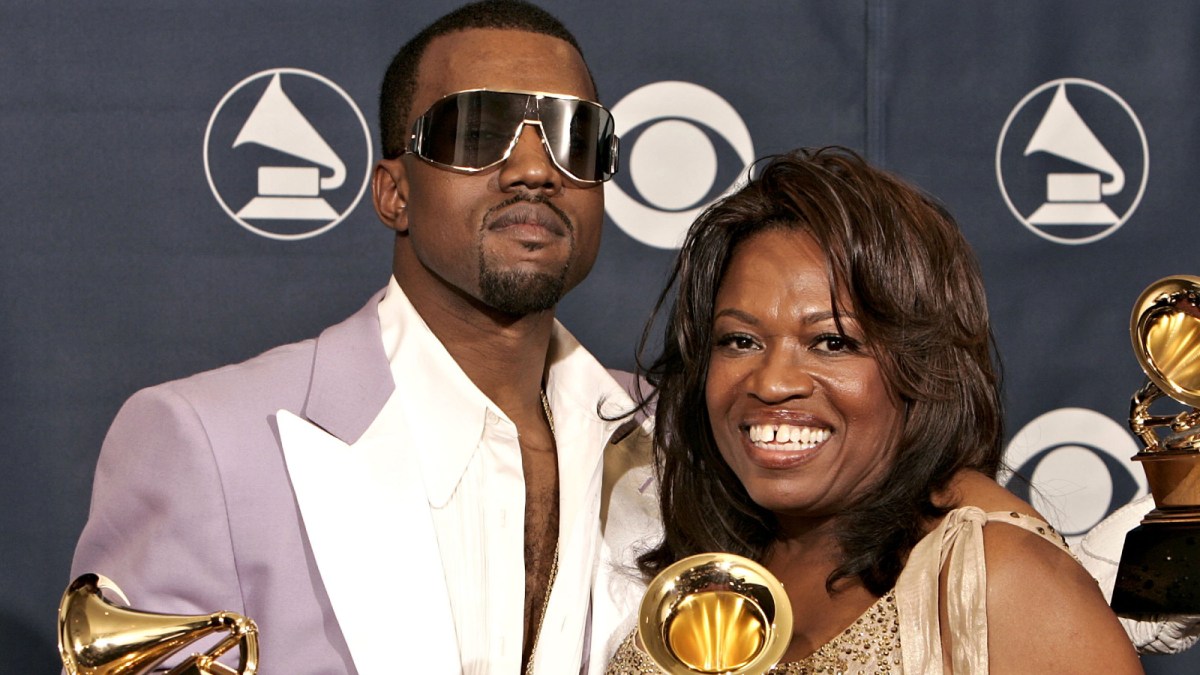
{"x": 400, "y": 82}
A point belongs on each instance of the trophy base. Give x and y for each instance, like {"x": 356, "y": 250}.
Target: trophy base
{"x": 1159, "y": 571}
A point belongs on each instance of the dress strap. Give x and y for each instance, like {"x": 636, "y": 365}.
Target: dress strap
{"x": 957, "y": 544}
{"x": 1029, "y": 523}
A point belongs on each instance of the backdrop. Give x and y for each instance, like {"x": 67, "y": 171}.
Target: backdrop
{"x": 182, "y": 188}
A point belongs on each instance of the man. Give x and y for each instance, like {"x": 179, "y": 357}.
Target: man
{"x": 421, "y": 488}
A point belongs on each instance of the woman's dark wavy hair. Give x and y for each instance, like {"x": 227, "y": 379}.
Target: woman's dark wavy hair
{"x": 914, "y": 286}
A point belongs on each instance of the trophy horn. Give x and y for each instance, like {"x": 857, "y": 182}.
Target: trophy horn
{"x": 715, "y": 613}
{"x": 1165, "y": 330}
{"x": 98, "y": 637}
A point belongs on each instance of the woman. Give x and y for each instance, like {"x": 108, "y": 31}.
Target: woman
{"x": 827, "y": 405}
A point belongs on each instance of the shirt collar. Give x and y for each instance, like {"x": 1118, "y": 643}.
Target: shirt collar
{"x": 448, "y": 414}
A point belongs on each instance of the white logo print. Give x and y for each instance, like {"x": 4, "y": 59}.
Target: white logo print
{"x": 269, "y": 166}
{"x": 1073, "y": 465}
{"x": 672, "y": 164}
{"x": 1057, "y": 175}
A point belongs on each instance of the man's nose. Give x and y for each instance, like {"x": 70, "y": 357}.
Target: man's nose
{"x": 529, "y": 165}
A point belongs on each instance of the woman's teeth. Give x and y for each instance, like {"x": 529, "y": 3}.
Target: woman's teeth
{"x": 787, "y": 436}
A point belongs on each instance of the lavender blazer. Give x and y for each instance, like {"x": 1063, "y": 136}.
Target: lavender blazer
{"x": 204, "y": 501}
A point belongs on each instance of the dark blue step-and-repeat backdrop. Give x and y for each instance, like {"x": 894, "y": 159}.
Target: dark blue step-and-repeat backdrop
{"x": 185, "y": 185}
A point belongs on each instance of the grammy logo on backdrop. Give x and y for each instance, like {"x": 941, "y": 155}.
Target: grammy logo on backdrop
{"x": 1074, "y": 197}
{"x": 288, "y": 160}
{"x": 1072, "y": 161}
{"x": 289, "y": 191}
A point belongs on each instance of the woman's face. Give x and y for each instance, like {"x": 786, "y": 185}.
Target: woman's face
{"x": 799, "y": 410}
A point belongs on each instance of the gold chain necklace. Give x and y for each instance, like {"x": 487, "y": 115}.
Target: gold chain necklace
{"x": 546, "y": 409}
{"x": 553, "y": 565}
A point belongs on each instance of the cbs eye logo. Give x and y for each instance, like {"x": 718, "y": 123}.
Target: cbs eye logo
{"x": 1073, "y": 465}
{"x": 287, "y": 154}
{"x": 683, "y": 147}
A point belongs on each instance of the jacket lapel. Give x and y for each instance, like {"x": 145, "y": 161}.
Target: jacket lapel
{"x": 364, "y": 507}
{"x": 351, "y": 378}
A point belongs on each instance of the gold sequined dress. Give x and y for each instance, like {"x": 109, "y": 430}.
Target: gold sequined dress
{"x": 900, "y": 633}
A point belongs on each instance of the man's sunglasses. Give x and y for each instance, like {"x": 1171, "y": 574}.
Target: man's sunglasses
{"x": 471, "y": 131}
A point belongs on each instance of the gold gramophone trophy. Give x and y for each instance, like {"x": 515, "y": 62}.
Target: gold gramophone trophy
{"x": 715, "y": 613}
{"x": 1160, "y": 565}
{"x": 98, "y": 637}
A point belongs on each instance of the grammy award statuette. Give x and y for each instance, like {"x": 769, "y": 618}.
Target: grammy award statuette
{"x": 715, "y": 613}
{"x": 99, "y": 637}
{"x": 1160, "y": 565}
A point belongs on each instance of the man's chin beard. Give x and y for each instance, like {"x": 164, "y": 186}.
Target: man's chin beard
{"x": 520, "y": 293}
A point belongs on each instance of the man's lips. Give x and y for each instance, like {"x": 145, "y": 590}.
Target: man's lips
{"x": 527, "y": 216}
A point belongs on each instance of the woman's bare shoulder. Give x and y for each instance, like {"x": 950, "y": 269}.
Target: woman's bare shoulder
{"x": 1045, "y": 612}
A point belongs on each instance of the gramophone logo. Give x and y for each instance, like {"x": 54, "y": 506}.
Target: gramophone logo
{"x": 287, "y": 154}
{"x": 1072, "y": 161}
{"x": 682, "y": 147}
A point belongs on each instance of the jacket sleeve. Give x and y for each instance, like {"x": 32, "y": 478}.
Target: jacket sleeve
{"x": 157, "y": 525}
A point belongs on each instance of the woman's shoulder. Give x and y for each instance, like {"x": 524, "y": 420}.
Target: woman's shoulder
{"x": 1036, "y": 589}
{"x": 973, "y": 490}
{"x": 1017, "y": 542}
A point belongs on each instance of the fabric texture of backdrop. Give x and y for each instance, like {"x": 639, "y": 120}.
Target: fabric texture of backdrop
{"x": 154, "y": 227}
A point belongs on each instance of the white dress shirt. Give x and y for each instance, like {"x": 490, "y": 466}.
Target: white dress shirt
{"x": 471, "y": 468}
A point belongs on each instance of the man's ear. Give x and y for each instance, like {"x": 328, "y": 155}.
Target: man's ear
{"x": 389, "y": 190}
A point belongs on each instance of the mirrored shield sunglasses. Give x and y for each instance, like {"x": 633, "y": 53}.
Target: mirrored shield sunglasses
{"x": 471, "y": 131}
